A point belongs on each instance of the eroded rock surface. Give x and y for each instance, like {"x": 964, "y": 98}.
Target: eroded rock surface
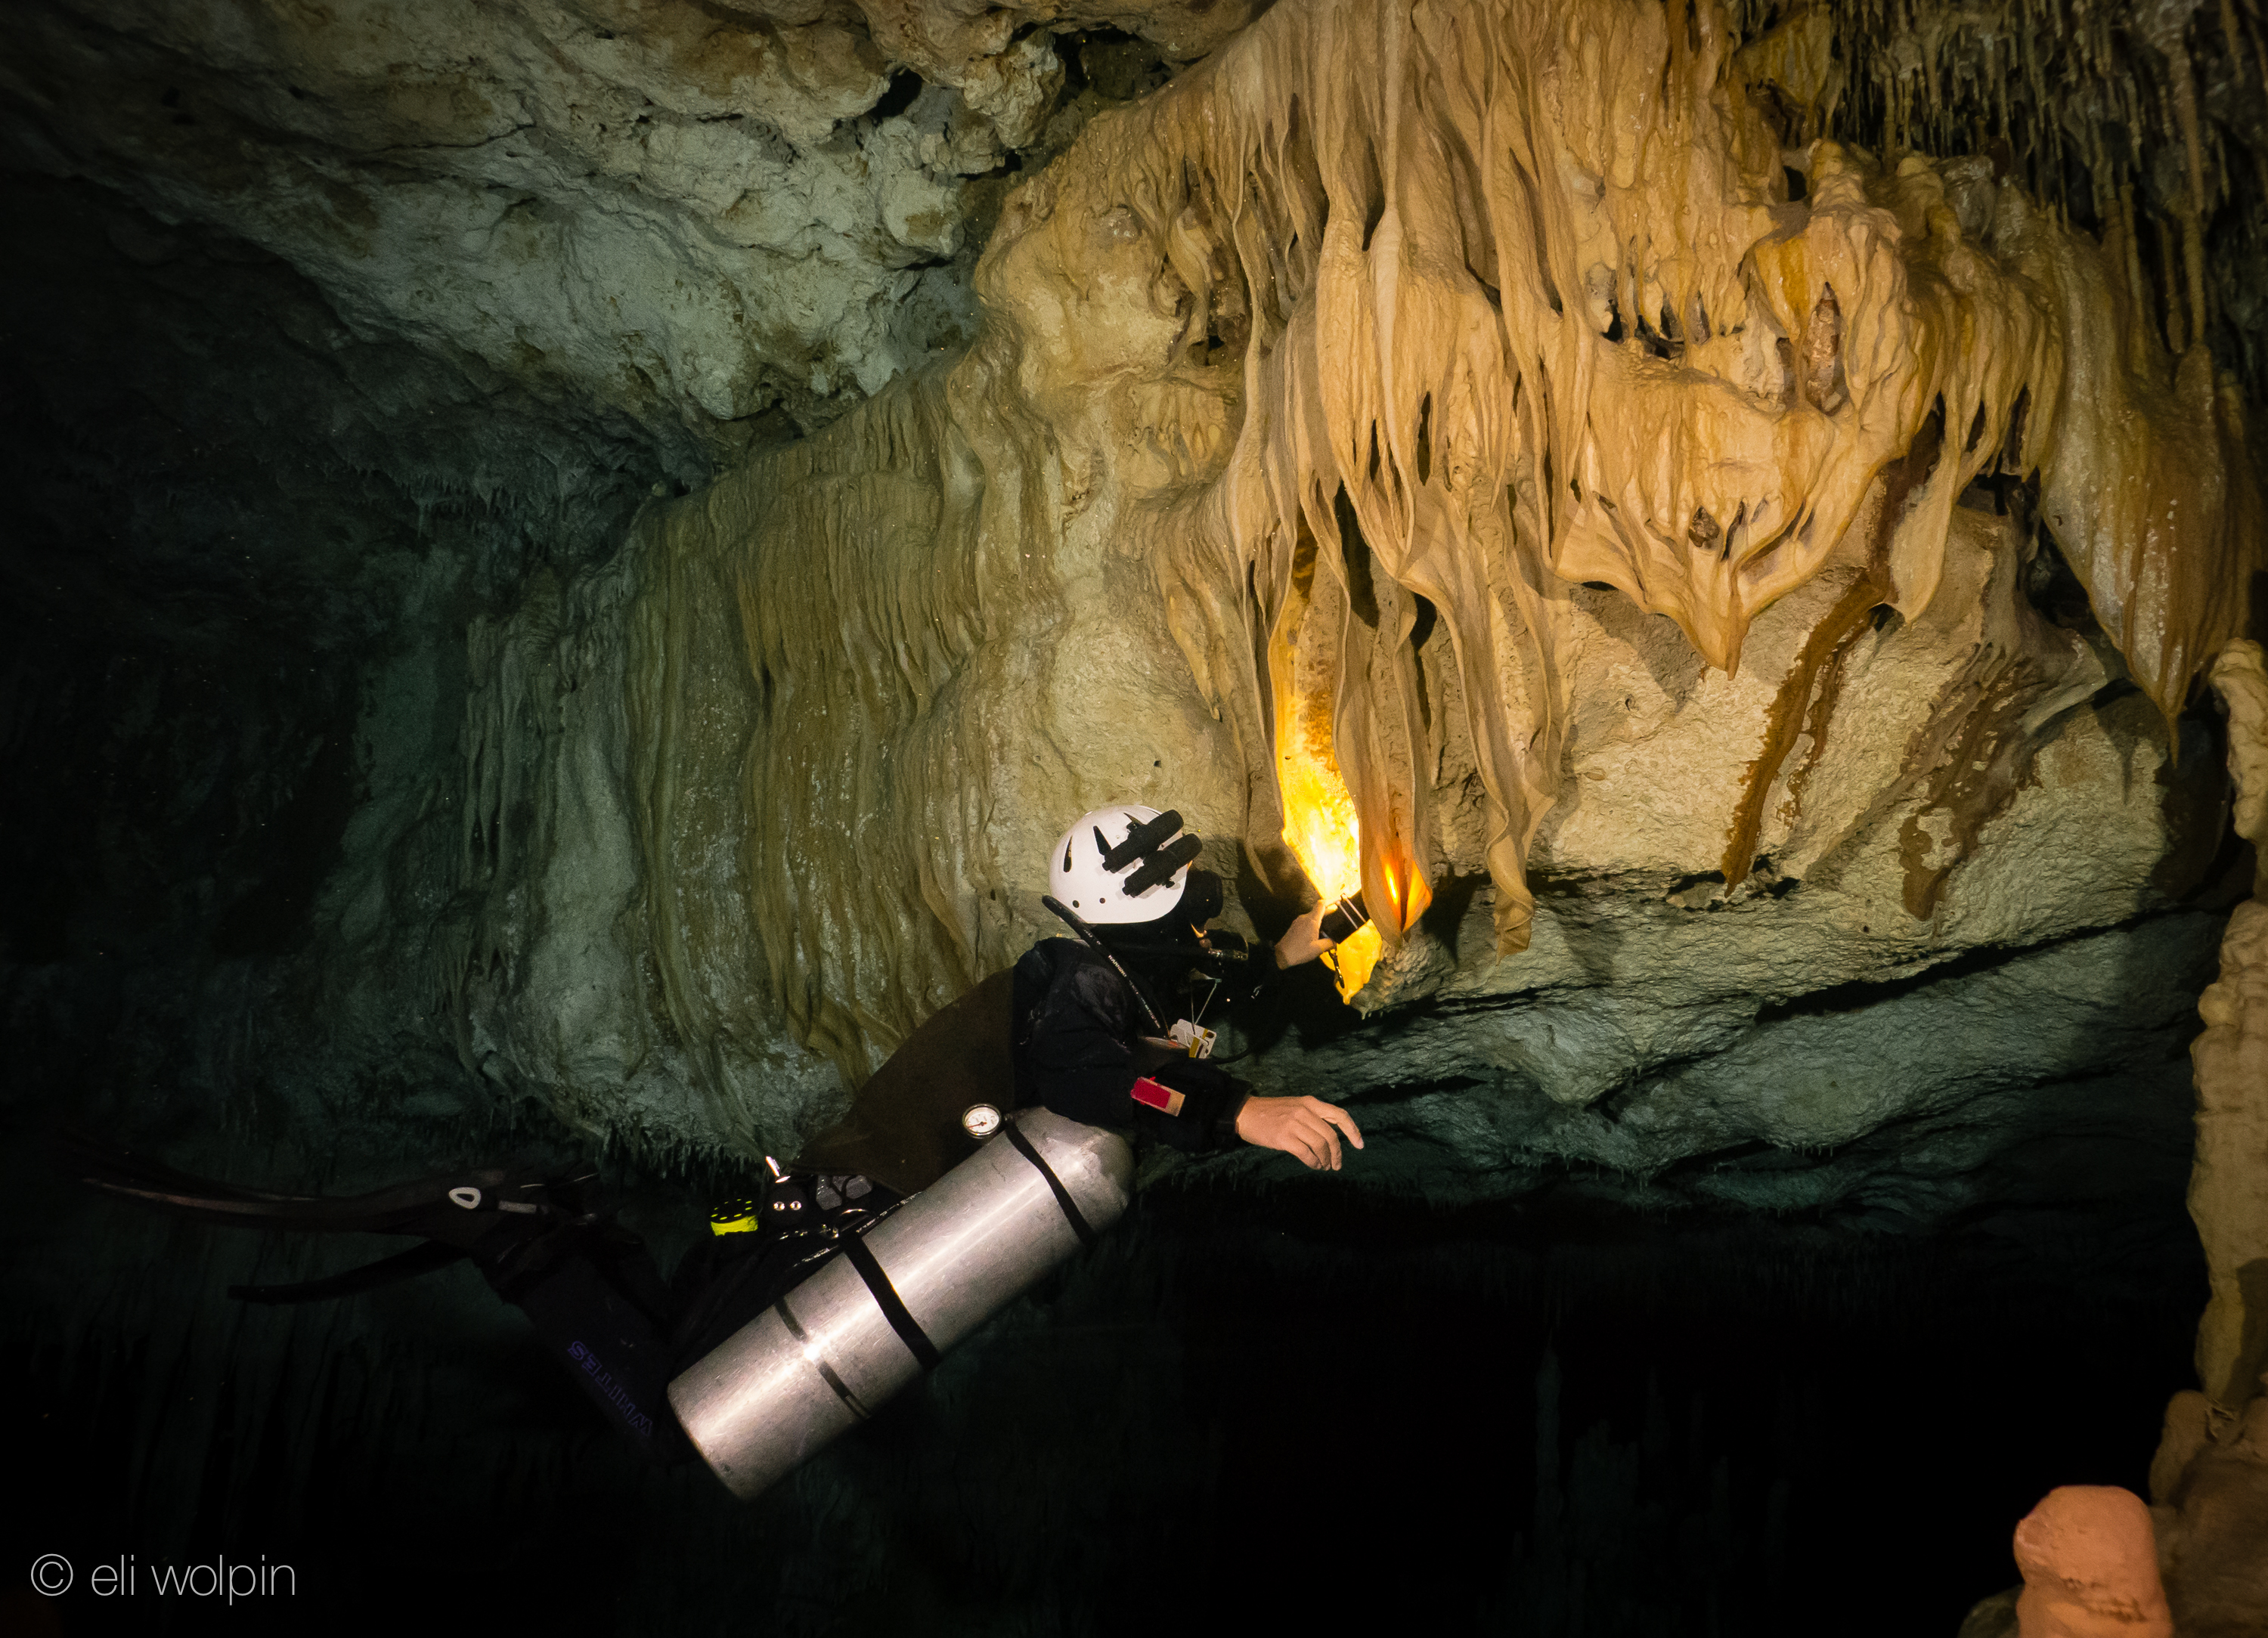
{"x": 1725, "y": 659}
{"x": 1220, "y": 486}
{"x": 2228, "y": 1191}
{"x": 391, "y": 811}
{"x": 2209, "y": 1478}
{"x": 701, "y": 215}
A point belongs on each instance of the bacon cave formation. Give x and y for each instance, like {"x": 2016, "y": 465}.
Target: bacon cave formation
{"x": 576, "y": 556}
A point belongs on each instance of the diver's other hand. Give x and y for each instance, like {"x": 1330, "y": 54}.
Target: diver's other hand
{"x": 1303, "y": 941}
{"x": 1306, "y": 1128}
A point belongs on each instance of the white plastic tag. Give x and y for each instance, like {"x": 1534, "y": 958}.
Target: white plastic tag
{"x": 1193, "y": 1039}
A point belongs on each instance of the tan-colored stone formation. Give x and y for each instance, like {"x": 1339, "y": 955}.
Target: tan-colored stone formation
{"x": 2241, "y": 677}
{"x": 2228, "y": 1189}
{"x": 2210, "y": 1476}
{"x": 2090, "y": 1567}
{"x": 1341, "y": 369}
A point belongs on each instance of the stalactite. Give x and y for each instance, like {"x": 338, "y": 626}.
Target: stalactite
{"x": 1925, "y": 78}
{"x": 1447, "y": 309}
{"x": 1703, "y": 476}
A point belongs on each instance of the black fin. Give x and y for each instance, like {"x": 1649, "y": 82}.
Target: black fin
{"x": 122, "y": 1171}
{"x": 422, "y": 1207}
{"x": 401, "y": 1266}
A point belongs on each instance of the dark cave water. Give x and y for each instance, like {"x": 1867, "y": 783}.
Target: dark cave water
{"x": 1312, "y": 1410}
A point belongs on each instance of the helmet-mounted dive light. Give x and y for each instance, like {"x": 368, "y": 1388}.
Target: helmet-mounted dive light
{"x": 1158, "y": 868}
{"x": 1144, "y": 835}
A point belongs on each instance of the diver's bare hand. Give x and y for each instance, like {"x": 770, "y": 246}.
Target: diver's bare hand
{"x": 1303, "y": 941}
{"x": 1306, "y": 1128}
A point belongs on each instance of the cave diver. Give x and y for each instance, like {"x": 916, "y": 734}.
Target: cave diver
{"x": 1091, "y": 1042}
{"x": 1078, "y": 1026}
{"x": 1106, "y": 1027}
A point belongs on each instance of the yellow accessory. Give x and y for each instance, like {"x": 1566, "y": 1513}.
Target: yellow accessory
{"x": 734, "y": 1217}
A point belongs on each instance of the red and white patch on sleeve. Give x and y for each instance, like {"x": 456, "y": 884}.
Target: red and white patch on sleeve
{"x": 1156, "y": 1097}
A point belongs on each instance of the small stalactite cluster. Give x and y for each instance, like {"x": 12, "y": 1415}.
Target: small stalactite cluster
{"x": 2146, "y": 126}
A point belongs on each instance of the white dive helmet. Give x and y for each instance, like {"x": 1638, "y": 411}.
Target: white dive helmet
{"x": 1078, "y": 876}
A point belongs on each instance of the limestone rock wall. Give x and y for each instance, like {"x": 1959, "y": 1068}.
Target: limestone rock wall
{"x": 2210, "y": 1476}
{"x": 2228, "y": 1190}
{"x": 705, "y": 216}
{"x": 701, "y": 835}
{"x": 1220, "y": 478}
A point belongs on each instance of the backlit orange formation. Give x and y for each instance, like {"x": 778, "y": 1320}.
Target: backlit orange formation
{"x": 1320, "y": 826}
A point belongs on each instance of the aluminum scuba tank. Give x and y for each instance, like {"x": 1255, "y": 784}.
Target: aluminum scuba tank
{"x": 824, "y": 1356}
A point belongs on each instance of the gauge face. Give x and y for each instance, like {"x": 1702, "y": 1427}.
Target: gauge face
{"x": 980, "y": 1120}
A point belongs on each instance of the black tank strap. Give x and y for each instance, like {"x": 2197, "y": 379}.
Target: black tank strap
{"x": 826, "y": 1371}
{"x": 887, "y": 1298}
{"x": 1079, "y": 1223}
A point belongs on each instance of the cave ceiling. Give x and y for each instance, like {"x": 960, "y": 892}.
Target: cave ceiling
{"x": 742, "y": 218}
{"x": 704, "y": 214}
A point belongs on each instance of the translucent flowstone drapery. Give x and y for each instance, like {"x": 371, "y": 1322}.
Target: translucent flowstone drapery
{"x": 1340, "y": 364}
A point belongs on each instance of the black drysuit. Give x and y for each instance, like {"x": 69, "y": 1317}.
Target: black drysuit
{"x": 1081, "y": 1044}
{"x": 592, "y": 1289}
